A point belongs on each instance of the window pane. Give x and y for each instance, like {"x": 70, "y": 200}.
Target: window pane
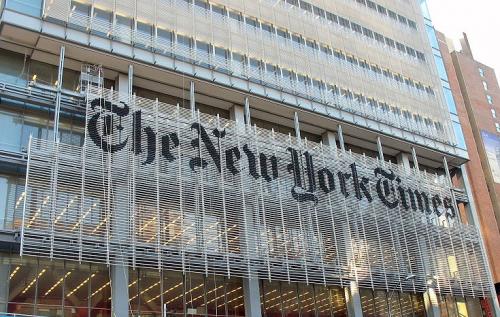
{"x": 10, "y": 138}
{"x": 11, "y": 67}
{"x": 449, "y": 100}
{"x": 271, "y": 299}
{"x": 31, "y": 7}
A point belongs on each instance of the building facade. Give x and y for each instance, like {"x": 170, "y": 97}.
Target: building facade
{"x": 234, "y": 158}
{"x": 475, "y": 88}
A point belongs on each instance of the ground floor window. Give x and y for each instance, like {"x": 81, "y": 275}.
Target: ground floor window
{"x": 293, "y": 299}
{"x": 61, "y": 288}
{"x": 451, "y": 306}
{"x": 379, "y": 303}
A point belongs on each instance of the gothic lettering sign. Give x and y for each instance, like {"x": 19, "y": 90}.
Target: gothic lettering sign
{"x": 308, "y": 180}
{"x": 155, "y": 186}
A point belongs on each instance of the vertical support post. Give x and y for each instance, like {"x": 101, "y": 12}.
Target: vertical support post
{"x": 341, "y": 137}
{"x": 120, "y": 232}
{"x": 353, "y": 300}
{"x": 130, "y": 80}
{"x": 415, "y": 159}
{"x": 447, "y": 171}
{"x": 57, "y": 111}
{"x": 247, "y": 112}
{"x": 25, "y": 194}
{"x": 251, "y": 287}
{"x": 380, "y": 150}
{"x": 328, "y": 138}
{"x": 297, "y": 127}
{"x": 4, "y": 287}
{"x": 431, "y": 303}
{"x": 403, "y": 160}
{"x": 192, "y": 102}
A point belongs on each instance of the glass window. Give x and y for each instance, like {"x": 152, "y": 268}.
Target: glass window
{"x": 218, "y": 9}
{"x": 485, "y": 85}
{"x": 490, "y": 99}
{"x": 102, "y": 22}
{"x": 481, "y": 72}
{"x": 201, "y": 3}
{"x": 390, "y": 42}
{"x": 283, "y": 33}
{"x": 332, "y": 17}
{"x": 267, "y": 27}
{"x": 305, "y": 6}
{"x": 449, "y": 100}
{"x": 203, "y": 47}
{"x": 165, "y": 37}
{"x": 325, "y": 49}
{"x": 102, "y": 15}
{"x": 32, "y": 7}
{"x": 50, "y": 287}
{"x": 356, "y": 28}
{"x": 344, "y": 22}
{"x": 379, "y": 37}
{"x": 10, "y": 138}
{"x": 367, "y": 302}
{"x": 235, "y": 15}
{"x": 144, "y": 28}
{"x": 290, "y": 305}
{"x": 12, "y": 67}
{"x": 297, "y": 39}
{"x": 381, "y": 9}
{"x": 306, "y": 300}
{"x": 392, "y": 14}
{"x": 432, "y": 36}
{"x": 42, "y": 73}
{"x": 368, "y": 32}
{"x": 319, "y": 12}
{"x": 493, "y": 113}
{"x": 252, "y": 22}
{"x": 23, "y": 278}
{"x": 457, "y": 128}
{"x": 497, "y": 126}
{"x": 402, "y": 19}
{"x": 401, "y": 47}
{"x": 123, "y": 27}
{"x": 440, "y": 67}
{"x": 184, "y": 40}
{"x": 11, "y": 199}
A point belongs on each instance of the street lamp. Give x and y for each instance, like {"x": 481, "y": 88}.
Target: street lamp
{"x": 407, "y": 278}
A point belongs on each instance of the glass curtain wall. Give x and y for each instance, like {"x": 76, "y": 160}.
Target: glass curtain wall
{"x": 379, "y": 303}
{"x": 293, "y": 300}
{"x": 61, "y": 288}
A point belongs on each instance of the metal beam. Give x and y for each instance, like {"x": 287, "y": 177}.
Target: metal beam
{"x": 192, "y": 102}
{"x": 380, "y": 149}
{"x": 57, "y": 111}
{"x": 247, "y": 112}
{"x": 297, "y": 127}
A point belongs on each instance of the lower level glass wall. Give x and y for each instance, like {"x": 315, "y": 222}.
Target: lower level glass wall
{"x": 459, "y": 307}
{"x": 62, "y": 288}
{"x": 379, "y": 303}
{"x": 292, "y": 300}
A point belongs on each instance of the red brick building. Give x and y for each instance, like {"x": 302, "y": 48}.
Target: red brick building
{"x": 477, "y": 97}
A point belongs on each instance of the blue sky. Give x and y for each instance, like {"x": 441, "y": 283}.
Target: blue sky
{"x": 478, "y": 18}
